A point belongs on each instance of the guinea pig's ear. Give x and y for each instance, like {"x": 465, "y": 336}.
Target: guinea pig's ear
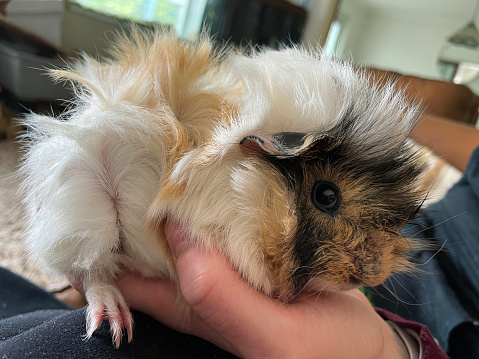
{"x": 281, "y": 144}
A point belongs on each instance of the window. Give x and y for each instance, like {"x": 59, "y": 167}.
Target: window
{"x": 332, "y": 40}
{"x": 185, "y": 15}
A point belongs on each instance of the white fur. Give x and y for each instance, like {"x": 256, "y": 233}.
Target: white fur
{"x": 91, "y": 179}
{"x": 292, "y": 90}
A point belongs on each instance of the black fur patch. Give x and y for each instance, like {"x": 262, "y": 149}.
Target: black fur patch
{"x": 390, "y": 177}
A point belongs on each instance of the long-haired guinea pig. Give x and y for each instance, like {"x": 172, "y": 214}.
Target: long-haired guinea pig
{"x": 292, "y": 164}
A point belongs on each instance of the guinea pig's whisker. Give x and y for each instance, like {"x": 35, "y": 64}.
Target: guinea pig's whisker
{"x": 417, "y": 278}
{"x": 412, "y": 296}
{"x": 317, "y": 290}
{"x": 391, "y": 291}
{"x": 394, "y": 294}
{"x": 444, "y": 221}
{"x": 435, "y": 254}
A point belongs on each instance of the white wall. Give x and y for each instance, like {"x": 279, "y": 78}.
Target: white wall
{"x": 400, "y": 45}
{"x": 398, "y": 40}
{"x": 353, "y": 17}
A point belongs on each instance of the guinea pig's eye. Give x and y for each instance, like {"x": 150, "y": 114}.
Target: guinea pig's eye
{"x": 325, "y": 196}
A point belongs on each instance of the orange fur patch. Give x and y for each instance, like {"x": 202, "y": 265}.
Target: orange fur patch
{"x": 279, "y": 226}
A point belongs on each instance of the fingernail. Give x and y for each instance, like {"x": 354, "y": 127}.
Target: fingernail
{"x": 177, "y": 237}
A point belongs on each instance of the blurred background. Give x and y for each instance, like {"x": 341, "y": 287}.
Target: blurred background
{"x": 421, "y": 38}
{"x": 430, "y": 48}
{"x": 433, "y": 39}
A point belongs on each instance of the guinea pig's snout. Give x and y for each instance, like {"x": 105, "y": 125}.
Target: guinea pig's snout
{"x": 374, "y": 258}
{"x": 365, "y": 260}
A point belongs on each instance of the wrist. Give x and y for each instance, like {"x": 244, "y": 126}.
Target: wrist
{"x": 408, "y": 347}
{"x": 393, "y": 345}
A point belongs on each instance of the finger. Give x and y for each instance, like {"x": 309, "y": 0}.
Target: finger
{"x": 244, "y": 317}
{"x": 356, "y": 293}
{"x": 177, "y": 237}
{"x": 157, "y": 298}
{"x": 201, "y": 271}
{"x": 220, "y": 297}
{"x": 251, "y": 323}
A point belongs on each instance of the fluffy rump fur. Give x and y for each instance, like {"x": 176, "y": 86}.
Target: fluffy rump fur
{"x": 233, "y": 146}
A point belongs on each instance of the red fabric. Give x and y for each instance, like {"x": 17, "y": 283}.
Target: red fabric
{"x": 431, "y": 349}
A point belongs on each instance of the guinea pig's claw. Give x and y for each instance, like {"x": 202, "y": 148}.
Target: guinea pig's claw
{"x": 119, "y": 320}
{"x": 113, "y": 308}
{"x": 93, "y": 321}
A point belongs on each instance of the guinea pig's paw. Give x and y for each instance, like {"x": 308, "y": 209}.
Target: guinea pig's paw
{"x": 106, "y": 302}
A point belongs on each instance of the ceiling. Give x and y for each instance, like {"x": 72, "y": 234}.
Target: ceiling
{"x": 460, "y": 9}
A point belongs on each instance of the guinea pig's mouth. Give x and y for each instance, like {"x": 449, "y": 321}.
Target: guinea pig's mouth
{"x": 315, "y": 285}
{"x": 319, "y": 285}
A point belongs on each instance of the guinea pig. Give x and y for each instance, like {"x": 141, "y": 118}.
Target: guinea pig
{"x": 293, "y": 164}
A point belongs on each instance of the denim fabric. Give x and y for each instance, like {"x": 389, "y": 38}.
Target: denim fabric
{"x": 445, "y": 293}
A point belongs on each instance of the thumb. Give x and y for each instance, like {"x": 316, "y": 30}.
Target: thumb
{"x": 219, "y": 296}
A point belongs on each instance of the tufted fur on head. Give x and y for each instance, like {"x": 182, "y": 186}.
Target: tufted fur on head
{"x": 304, "y": 120}
{"x": 293, "y": 164}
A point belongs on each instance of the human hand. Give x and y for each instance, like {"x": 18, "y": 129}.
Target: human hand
{"x": 228, "y": 312}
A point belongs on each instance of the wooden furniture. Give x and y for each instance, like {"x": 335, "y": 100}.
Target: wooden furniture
{"x": 440, "y": 98}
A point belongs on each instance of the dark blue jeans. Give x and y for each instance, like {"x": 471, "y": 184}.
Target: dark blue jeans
{"x": 444, "y": 295}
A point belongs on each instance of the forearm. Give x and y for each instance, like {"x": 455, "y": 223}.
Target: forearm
{"x": 453, "y": 141}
